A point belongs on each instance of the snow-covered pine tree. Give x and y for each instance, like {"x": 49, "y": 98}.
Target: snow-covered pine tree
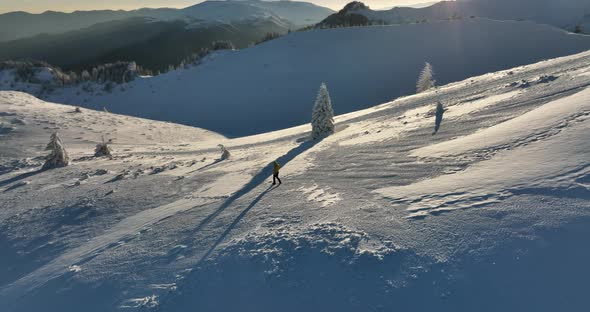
{"x": 130, "y": 73}
{"x": 426, "y": 80}
{"x": 322, "y": 117}
{"x": 74, "y": 77}
{"x": 224, "y": 152}
{"x": 85, "y": 76}
{"x": 58, "y": 156}
{"x": 94, "y": 76}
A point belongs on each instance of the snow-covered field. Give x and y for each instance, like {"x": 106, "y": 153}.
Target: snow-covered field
{"x": 490, "y": 214}
{"x": 272, "y": 86}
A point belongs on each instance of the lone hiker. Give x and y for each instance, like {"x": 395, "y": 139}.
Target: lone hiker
{"x": 275, "y": 173}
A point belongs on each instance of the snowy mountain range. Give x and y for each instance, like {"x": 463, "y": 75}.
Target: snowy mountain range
{"x": 490, "y": 214}
{"x": 415, "y": 5}
{"x": 155, "y": 45}
{"x": 564, "y": 14}
{"x": 272, "y": 86}
{"x": 18, "y": 25}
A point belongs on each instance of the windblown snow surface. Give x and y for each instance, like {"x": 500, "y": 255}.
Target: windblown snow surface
{"x": 272, "y": 86}
{"x": 490, "y": 214}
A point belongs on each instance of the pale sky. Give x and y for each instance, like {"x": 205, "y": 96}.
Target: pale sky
{"x": 38, "y": 6}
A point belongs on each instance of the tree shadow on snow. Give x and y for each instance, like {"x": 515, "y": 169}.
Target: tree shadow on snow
{"x": 256, "y": 181}
{"x": 19, "y": 177}
{"x": 235, "y": 222}
{"x": 207, "y": 166}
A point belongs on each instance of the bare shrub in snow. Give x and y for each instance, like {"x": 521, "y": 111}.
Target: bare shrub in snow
{"x": 224, "y": 152}
{"x": 322, "y": 117}
{"x": 77, "y": 109}
{"x": 102, "y": 149}
{"x": 426, "y": 80}
{"x": 58, "y": 156}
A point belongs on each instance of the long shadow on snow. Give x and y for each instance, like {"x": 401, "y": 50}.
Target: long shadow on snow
{"x": 20, "y": 177}
{"x": 257, "y": 180}
{"x": 206, "y": 166}
{"x": 234, "y": 223}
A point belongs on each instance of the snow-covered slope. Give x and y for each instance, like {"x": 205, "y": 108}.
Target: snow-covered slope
{"x": 490, "y": 214}
{"x": 273, "y": 85}
{"x": 24, "y": 118}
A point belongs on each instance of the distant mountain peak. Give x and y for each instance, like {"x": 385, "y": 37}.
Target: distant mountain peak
{"x": 354, "y": 6}
{"x": 348, "y": 16}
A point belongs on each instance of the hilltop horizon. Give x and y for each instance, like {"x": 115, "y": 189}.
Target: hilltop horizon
{"x": 39, "y": 7}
